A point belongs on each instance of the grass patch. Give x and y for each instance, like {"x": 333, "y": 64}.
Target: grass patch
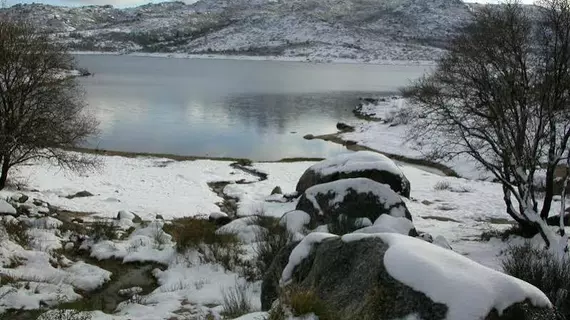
{"x": 17, "y": 232}
{"x": 199, "y": 234}
{"x": 236, "y": 301}
{"x": 101, "y": 229}
{"x": 543, "y": 270}
{"x": 296, "y": 301}
{"x": 270, "y": 239}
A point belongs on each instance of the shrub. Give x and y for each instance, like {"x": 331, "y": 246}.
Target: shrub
{"x": 237, "y": 301}
{"x": 442, "y": 185}
{"x": 543, "y": 270}
{"x": 270, "y": 239}
{"x": 102, "y": 230}
{"x": 65, "y": 315}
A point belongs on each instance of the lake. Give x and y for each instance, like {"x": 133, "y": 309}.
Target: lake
{"x": 228, "y": 108}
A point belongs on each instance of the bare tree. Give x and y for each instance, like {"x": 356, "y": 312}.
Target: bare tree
{"x": 41, "y": 108}
{"x": 501, "y": 95}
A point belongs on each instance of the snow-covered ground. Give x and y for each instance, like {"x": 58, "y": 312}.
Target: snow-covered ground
{"x": 460, "y": 211}
{"x": 385, "y": 129}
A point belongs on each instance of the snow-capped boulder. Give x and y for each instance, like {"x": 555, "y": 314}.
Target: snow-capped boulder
{"x": 352, "y": 199}
{"x": 6, "y": 208}
{"x": 393, "y": 276}
{"x": 125, "y": 215}
{"x": 219, "y": 218}
{"x": 361, "y": 164}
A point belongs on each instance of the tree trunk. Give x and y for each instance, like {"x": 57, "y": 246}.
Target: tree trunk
{"x": 4, "y": 171}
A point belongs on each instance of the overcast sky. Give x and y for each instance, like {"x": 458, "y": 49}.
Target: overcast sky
{"x": 130, "y": 3}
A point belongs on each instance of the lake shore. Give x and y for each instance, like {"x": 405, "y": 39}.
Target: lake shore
{"x": 262, "y": 58}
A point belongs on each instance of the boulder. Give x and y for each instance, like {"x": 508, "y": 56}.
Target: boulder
{"x": 392, "y": 276}
{"x": 361, "y": 164}
{"x": 6, "y": 208}
{"x": 351, "y": 199}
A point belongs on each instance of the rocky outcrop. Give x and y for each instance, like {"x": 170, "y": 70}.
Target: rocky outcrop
{"x": 351, "y": 199}
{"x": 361, "y": 164}
{"x": 390, "y": 276}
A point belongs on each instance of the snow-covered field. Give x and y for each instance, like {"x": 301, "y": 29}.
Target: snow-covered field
{"x": 188, "y": 288}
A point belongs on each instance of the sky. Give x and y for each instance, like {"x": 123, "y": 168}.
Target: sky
{"x": 130, "y": 3}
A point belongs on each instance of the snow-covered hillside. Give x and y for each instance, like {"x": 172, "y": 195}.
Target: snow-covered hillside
{"x": 362, "y": 30}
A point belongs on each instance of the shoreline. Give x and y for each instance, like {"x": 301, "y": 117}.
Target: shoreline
{"x": 423, "y": 164}
{"x": 179, "y": 157}
{"x": 213, "y": 56}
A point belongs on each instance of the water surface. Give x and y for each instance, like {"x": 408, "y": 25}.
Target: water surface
{"x": 228, "y": 108}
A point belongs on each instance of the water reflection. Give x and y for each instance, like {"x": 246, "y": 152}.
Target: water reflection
{"x": 225, "y": 108}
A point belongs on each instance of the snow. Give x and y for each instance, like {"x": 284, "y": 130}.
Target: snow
{"x": 394, "y": 132}
{"x": 455, "y": 216}
{"x": 341, "y": 188}
{"x": 244, "y": 228}
{"x": 301, "y": 251}
{"x": 296, "y": 221}
{"x": 388, "y": 223}
{"x": 138, "y": 185}
{"x": 252, "y": 196}
{"x": 357, "y": 161}
{"x": 6, "y": 208}
{"x": 254, "y": 316}
{"x": 148, "y": 244}
{"x": 473, "y": 290}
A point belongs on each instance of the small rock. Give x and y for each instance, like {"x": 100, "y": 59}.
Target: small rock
{"x": 6, "y": 208}
{"x": 426, "y": 237}
{"x": 219, "y": 218}
{"x": 125, "y": 215}
{"x": 427, "y": 202}
{"x": 308, "y": 137}
{"x": 20, "y": 198}
{"x": 350, "y": 143}
{"x": 344, "y": 127}
{"x": 137, "y": 219}
{"x": 80, "y": 194}
{"x": 69, "y": 246}
{"x": 40, "y": 203}
{"x": 276, "y": 190}
{"x": 77, "y": 220}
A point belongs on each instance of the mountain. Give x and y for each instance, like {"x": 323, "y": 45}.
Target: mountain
{"x": 363, "y": 30}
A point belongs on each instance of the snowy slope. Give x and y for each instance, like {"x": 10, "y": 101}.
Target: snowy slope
{"x": 362, "y": 30}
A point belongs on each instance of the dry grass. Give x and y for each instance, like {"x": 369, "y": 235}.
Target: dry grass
{"x": 200, "y": 235}
{"x": 17, "y": 232}
{"x": 301, "y": 301}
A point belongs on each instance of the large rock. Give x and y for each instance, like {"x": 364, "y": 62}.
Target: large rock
{"x": 350, "y": 198}
{"x": 361, "y": 164}
{"x": 392, "y": 276}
